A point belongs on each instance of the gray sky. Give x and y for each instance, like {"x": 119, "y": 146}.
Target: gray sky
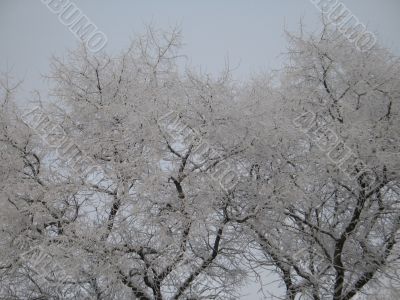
{"x": 250, "y": 33}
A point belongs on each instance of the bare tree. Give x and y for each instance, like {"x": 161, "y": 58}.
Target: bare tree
{"x": 149, "y": 222}
{"x": 139, "y": 181}
{"x": 329, "y": 225}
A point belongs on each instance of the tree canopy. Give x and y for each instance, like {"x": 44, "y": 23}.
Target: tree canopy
{"x": 143, "y": 181}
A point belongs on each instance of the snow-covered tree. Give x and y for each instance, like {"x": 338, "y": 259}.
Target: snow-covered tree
{"x": 140, "y": 181}
{"x": 329, "y": 222}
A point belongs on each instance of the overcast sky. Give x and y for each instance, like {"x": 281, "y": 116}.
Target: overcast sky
{"x": 249, "y": 33}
